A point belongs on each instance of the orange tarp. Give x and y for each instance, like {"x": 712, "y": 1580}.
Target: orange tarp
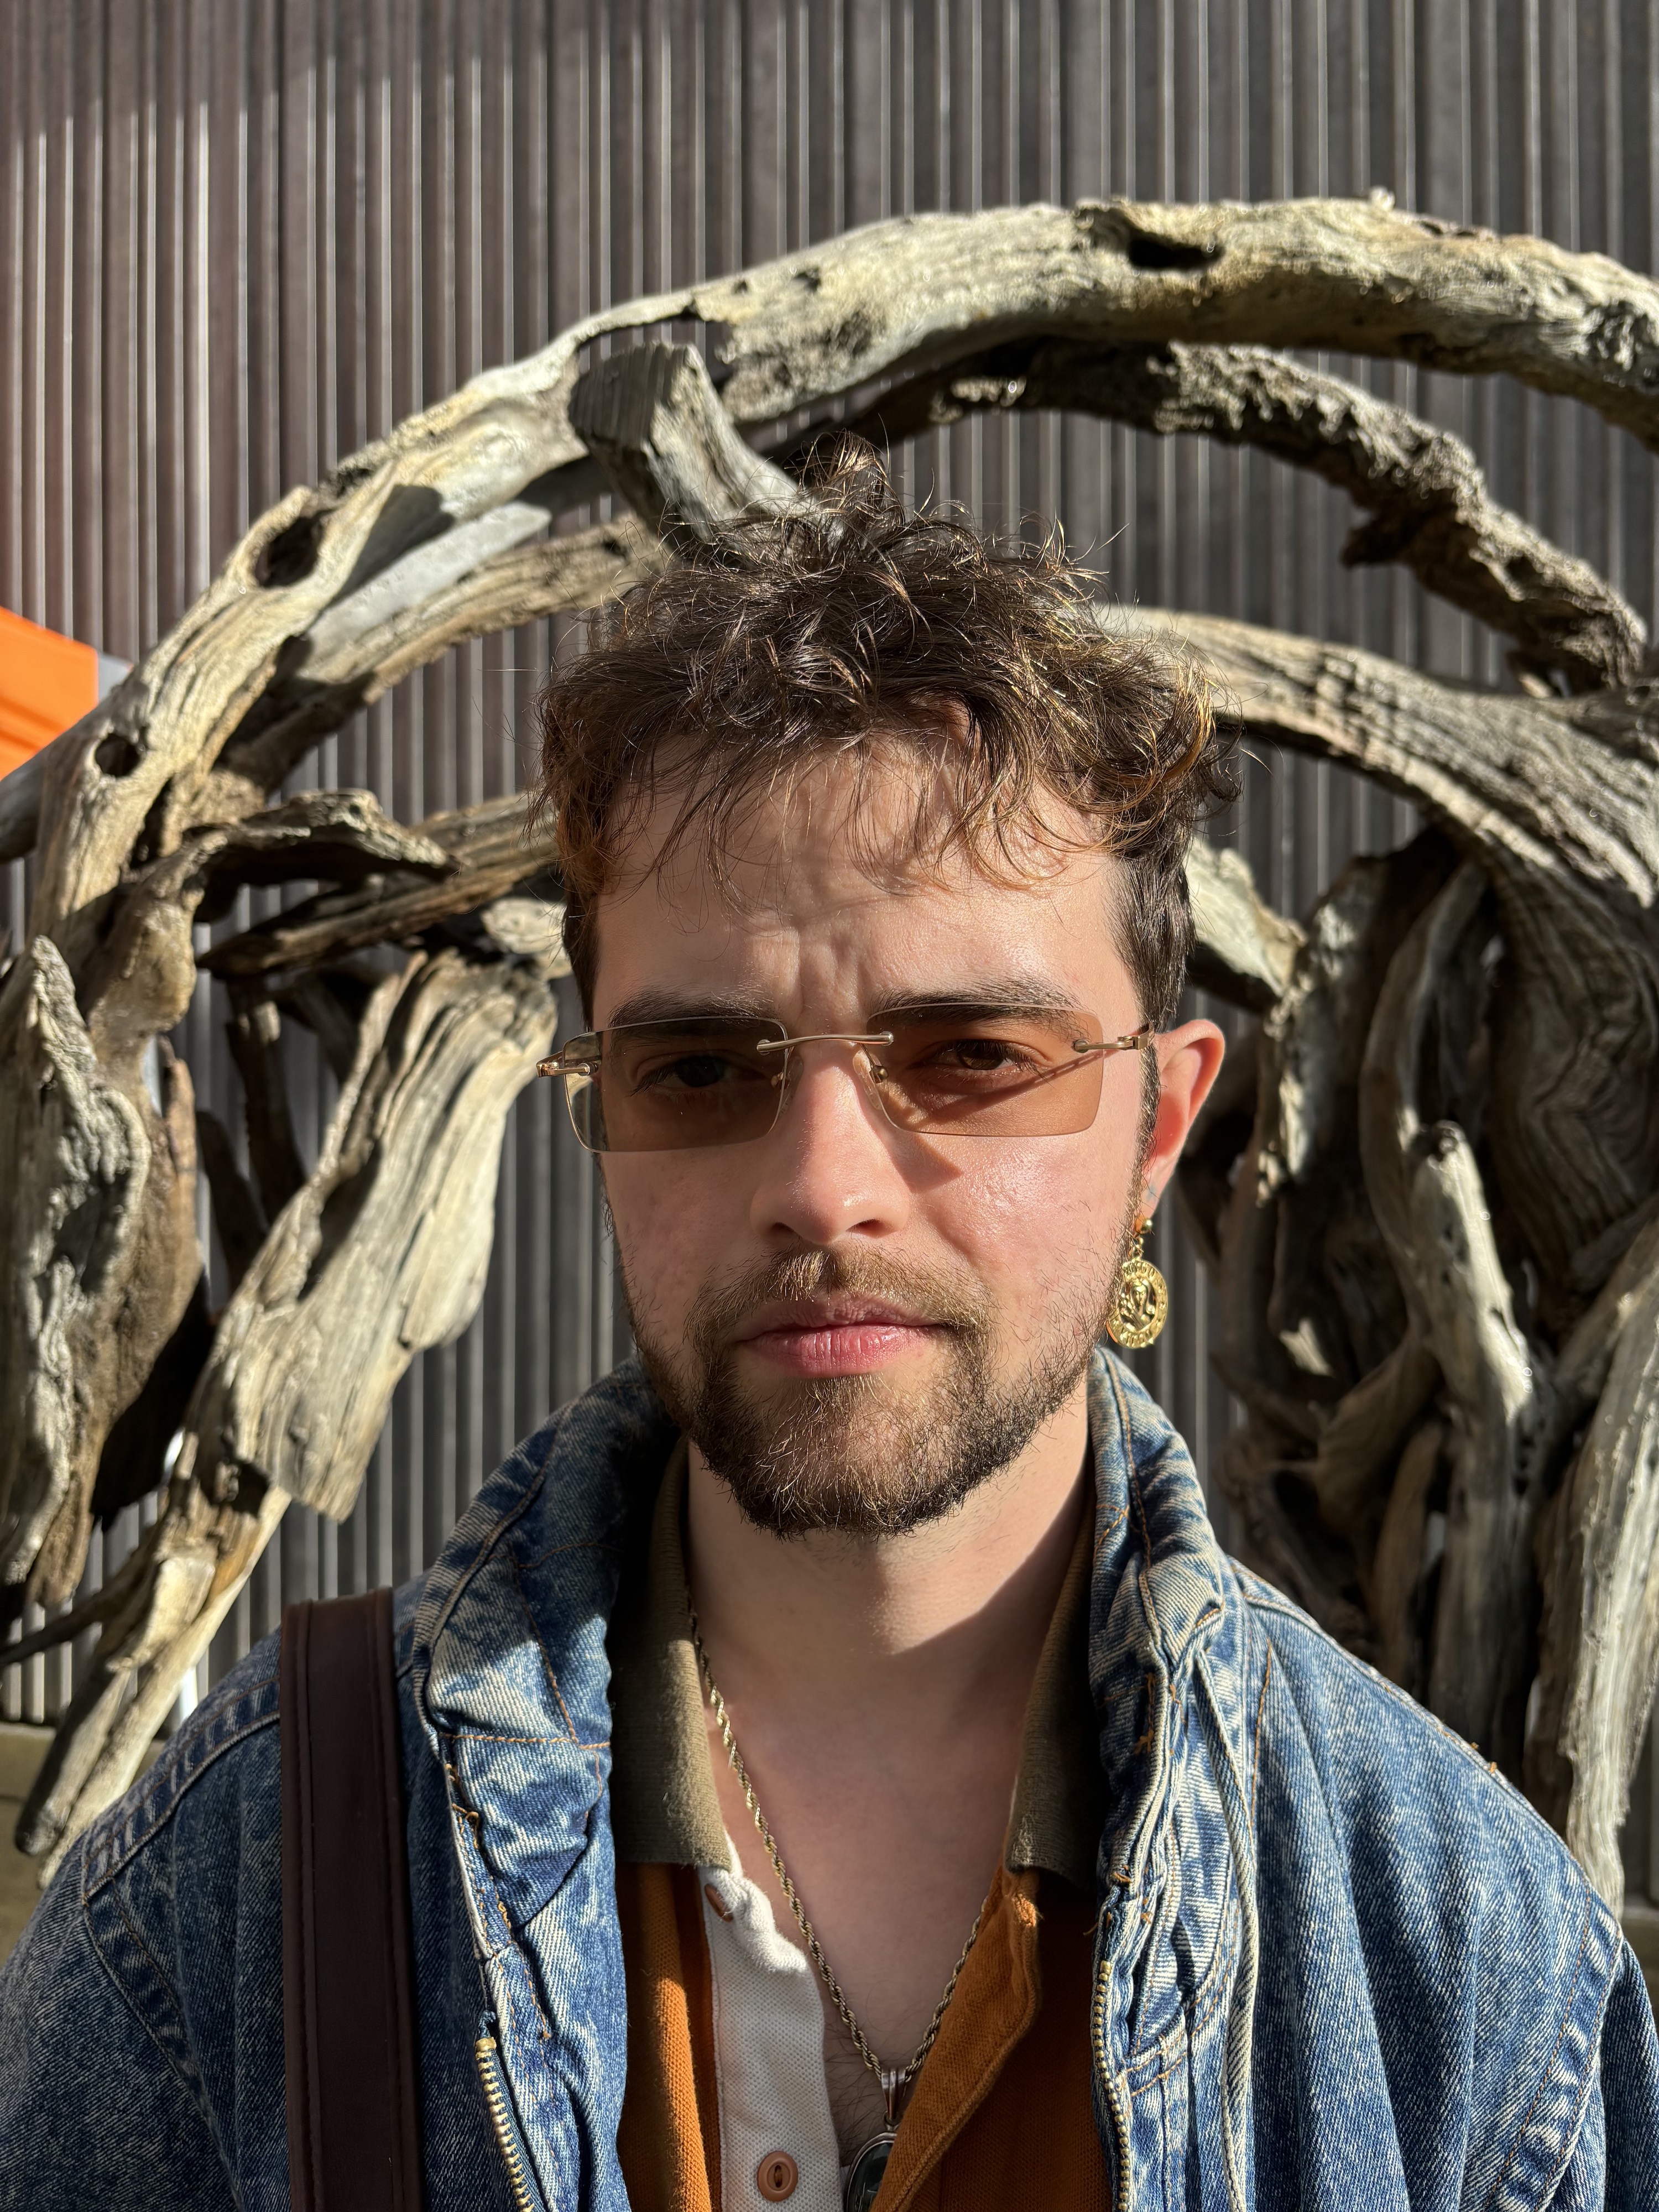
{"x": 46, "y": 681}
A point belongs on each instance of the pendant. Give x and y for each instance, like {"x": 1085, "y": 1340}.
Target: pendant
{"x": 1140, "y": 1301}
{"x": 864, "y": 2175}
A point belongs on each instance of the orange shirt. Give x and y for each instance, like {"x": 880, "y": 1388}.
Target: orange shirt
{"x": 1001, "y": 2117}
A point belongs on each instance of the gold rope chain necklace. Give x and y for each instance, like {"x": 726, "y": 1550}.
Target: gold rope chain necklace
{"x": 870, "y": 2161}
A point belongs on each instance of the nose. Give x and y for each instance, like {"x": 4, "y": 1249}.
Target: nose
{"x": 829, "y": 1168}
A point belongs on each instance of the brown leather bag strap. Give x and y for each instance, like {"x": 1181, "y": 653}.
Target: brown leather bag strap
{"x": 347, "y": 1963}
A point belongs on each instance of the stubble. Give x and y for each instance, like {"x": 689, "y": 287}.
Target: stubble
{"x": 874, "y": 1455}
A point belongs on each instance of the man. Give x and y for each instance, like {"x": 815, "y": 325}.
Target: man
{"x": 841, "y": 1766}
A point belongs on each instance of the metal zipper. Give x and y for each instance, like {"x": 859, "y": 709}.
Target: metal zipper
{"x": 513, "y": 2155}
{"x": 1123, "y": 2195}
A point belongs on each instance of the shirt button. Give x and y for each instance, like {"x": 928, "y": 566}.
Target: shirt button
{"x": 776, "y": 2176}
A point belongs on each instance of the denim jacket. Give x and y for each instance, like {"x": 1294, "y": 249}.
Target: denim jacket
{"x": 1338, "y": 1961}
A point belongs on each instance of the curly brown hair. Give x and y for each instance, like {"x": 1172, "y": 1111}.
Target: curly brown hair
{"x": 850, "y": 625}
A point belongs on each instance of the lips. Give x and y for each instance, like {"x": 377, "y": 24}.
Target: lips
{"x": 818, "y": 1338}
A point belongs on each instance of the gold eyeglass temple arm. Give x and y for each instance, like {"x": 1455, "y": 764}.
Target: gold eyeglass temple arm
{"x": 1140, "y": 1040}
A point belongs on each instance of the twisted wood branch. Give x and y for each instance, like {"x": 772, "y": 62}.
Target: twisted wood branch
{"x": 381, "y": 1252}
{"x": 1559, "y": 805}
{"x": 1423, "y": 488}
{"x": 1510, "y": 1184}
{"x": 1426, "y": 1189}
{"x": 101, "y": 1275}
{"x": 472, "y": 477}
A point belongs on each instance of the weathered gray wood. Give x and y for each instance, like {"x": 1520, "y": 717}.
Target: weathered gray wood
{"x": 491, "y": 850}
{"x": 1430, "y": 1205}
{"x": 1559, "y": 803}
{"x": 1357, "y": 276}
{"x": 1599, "y": 1639}
{"x": 237, "y": 1214}
{"x": 64, "y": 1627}
{"x": 96, "y": 1273}
{"x": 109, "y": 1310}
{"x": 192, "y": 1563}
{"x": 313, "y": 1342}
{"x": 345, "y": 665}
{"x": 1316, "y": 1337}
{"x": 422, "y": 609}
{"x": 908, "y": 294}
{"x": 1398, "y": 1566}
{"x": 323, "y": 1325}
{"x": 1243, "y": 952}
{"x": 653, "y": 420}
{"x": 254, "y": 1034}
{"x": 1422, "y": 487}
{"x": 340, "y": 835}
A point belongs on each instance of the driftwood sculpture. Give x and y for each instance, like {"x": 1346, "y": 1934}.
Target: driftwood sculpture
{"x": 1429, "y": 1185}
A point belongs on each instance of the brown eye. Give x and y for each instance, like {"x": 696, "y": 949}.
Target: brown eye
{"x": 974, "y": 1055}
{"x": 691, "y": 1071}
{"x": 980, "y": 1053}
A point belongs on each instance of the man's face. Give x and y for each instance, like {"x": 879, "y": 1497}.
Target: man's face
{"x": 857, "y": 1323}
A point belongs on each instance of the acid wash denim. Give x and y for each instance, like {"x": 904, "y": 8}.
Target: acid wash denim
{"x": 1339, "y": 1962}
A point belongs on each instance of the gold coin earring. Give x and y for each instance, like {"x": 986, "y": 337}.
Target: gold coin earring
{"x": 1140, "y": 1304}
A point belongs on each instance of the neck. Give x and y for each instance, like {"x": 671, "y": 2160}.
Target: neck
{"x": 945, "y": 1621}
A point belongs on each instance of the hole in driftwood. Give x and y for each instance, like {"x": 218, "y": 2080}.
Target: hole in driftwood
{"x": 116, "y": 755}
{"x": 291, "y": 555}
{"x": 1148, "y": 253}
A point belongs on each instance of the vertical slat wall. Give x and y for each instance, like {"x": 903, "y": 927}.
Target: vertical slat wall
{"x": 238, "y": 242}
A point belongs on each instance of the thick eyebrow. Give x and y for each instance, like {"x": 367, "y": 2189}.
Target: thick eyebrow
{"x": 1005, "y": 994}
{"x": 661, "y": 1002}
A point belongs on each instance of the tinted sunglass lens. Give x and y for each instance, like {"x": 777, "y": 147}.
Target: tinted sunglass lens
{"x": 669, "y": 1086}
{"x": 973, "y": 1073}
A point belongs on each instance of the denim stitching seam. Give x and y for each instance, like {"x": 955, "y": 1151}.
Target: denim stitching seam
{"x": 1544, "y": 2081}
{"x": 1260, "y": 1719}
{"x": 1206, "y": 2002}
{"x": 188, "y": 2078}
{"x": 548, "y": 1668}
{"x": 116, "y": 1848}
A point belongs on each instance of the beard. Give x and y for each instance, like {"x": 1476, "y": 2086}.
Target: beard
{"x": 865, "y": 1455}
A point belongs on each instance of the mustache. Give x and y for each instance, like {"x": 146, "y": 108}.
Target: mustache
{"x": 931, "y": 1294}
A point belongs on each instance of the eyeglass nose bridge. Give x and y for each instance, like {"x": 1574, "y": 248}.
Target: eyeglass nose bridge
{"x": 854, "y": 1037}
{"x": 825, "y": 1036}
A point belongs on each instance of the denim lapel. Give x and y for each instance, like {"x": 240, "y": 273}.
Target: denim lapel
{"x": 1169, "y": 1655}
{"x": 512, "y": 1681}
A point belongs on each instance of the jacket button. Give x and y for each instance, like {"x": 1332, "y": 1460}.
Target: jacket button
{"x": 776, "y": 2176}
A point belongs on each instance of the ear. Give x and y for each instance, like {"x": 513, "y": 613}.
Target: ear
{"x": 1188, "y": 1060}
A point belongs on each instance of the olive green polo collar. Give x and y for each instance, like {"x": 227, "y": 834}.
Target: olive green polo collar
{"x": 664, "y": 1808}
